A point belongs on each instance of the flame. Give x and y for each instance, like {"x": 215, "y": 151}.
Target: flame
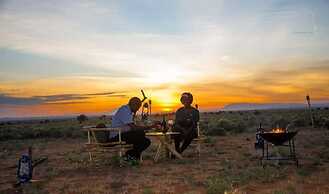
{"x": 278, "y": 130}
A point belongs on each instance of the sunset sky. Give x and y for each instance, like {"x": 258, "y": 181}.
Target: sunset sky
{"x": 71, "y": 57}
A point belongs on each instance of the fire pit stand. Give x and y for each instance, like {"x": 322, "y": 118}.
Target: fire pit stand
{"x": 286, "y": 139}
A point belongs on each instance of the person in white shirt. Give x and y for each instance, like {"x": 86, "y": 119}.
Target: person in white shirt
{"x": 132, "y": 133}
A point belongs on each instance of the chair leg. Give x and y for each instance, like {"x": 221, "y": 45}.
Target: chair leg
{"x": 90, "y": 156}
{"x": 199, "y": 148}
{"x": 120, "y": 152}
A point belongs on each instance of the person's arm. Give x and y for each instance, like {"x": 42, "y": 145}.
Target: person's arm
{"x": 133, "y": 126}
{"x": 197, "y": 115}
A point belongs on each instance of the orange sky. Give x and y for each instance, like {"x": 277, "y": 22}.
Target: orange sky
{"x": 57, "y": 62}
{"x": 210, "y": 94}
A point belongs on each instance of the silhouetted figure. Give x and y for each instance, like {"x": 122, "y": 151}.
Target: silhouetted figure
{"x": 131, "y": 133}
{"x": 186, "y": 121}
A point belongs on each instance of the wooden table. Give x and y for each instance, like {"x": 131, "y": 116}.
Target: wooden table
{"x": 165, "y": 142}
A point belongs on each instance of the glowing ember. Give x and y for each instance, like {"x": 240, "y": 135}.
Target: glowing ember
{"x": 278, "y": 130}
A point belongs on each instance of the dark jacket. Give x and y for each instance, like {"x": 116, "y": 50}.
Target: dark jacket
{"x": 186, "y": 120}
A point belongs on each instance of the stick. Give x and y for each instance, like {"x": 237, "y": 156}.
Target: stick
{"x": 39, "y": 161}
{"x": 144, "y": 97}
{"x": 310, "y": 109}
{"x": 34, "y": 163}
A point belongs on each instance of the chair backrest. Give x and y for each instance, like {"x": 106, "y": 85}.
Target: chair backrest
{"x": 95, "y": 134}
{"x": 198, "y": 124}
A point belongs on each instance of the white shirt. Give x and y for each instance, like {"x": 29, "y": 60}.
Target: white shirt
{"x": 121, "y": 119}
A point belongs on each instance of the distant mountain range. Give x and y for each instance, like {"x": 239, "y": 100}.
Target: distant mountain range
{"x": 257, "y": 106}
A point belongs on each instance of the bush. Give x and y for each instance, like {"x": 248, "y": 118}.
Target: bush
{"x": 217, "y": 131}
{"x": 257, "y": 112}
{"x": 234, "y": 126}
{"x": 325, "y": 123}
{"x": 82, "y": 118}
{"x": 281, "y": 122}
{"x": 222, "y": 126}
{"x": 299, "y": 122}
{"x": 218, "y": 185}
{"x": 50, "y": 130}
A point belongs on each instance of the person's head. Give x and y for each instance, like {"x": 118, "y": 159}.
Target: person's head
{"x": 186, "y": 99}
{"x": 134, "y": 104}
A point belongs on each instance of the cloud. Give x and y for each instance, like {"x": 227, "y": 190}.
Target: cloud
{"x": 60, "y": 97}
{"x": 101, "y": 94}
{"x": 285, "y": 85}
{"x": 11, "y": 100}
{"x": 6, "y": 99}
{"x": 106, "y": 35}
{"x": 67, "y": 102}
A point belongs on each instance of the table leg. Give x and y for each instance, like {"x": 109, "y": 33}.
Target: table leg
{"x": 173, "y": 151}
{"x": 157, "y": 154}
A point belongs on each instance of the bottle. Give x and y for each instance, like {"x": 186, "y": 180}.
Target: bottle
{"x": 164, "y": 124}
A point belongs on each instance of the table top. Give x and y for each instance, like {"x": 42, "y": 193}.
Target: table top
{"x": 161, "y": 133}
{"x": 93, "y": 128}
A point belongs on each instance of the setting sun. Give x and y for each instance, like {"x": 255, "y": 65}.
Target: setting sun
{"x": 165, "y": 100}
{"x": 92, "y": 62}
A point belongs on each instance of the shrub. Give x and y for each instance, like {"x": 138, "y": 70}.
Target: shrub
{"x": 325, "y": 123}
{"x": 257, "y": 112}
{"x": 218, "y": 185}
{"x": 148, "y": 191}
{"x": 299, "y": 122}
{"x": 214, "y": 128}
{"x": 281, "y": 122}
{"x": 81, "y": 118}
{"x": 222, "y": 126}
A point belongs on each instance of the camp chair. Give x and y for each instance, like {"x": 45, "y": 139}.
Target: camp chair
{"x": 94, "y": 145}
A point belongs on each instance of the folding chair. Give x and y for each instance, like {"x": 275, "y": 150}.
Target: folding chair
{"x": 94, "y": 146}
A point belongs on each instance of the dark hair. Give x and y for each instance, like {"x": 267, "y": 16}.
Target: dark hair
{"x": 134, "y": 100}
{"x": 187, "y": 95}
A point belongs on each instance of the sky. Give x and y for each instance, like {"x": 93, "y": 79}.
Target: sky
{"x": 66, "y": 57}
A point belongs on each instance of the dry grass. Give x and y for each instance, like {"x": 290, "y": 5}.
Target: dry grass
{"x": 228, "y": 164}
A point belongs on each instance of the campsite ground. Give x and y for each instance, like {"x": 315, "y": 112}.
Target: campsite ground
{"x": 227, "y": 163}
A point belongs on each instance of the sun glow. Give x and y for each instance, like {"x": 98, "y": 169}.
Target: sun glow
{"x": 165, "y": 100}
{"x": 170, "y": 75}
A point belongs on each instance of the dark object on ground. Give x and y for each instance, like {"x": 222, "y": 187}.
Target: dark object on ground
{"x": 25, "y": 169}
{"x": 26, "y": 166}
{"x": 259, "y": 144}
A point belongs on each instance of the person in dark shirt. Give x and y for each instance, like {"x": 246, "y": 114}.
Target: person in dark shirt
{"x": 186, "y": 121}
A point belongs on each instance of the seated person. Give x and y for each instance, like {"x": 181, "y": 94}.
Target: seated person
{"x": 186, "y": 121}
{"x": 131, "y": 133}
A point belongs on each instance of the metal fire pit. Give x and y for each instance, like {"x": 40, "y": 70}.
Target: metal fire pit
{"x": 278, "y": 138}
{"x": 286, "y": 139}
